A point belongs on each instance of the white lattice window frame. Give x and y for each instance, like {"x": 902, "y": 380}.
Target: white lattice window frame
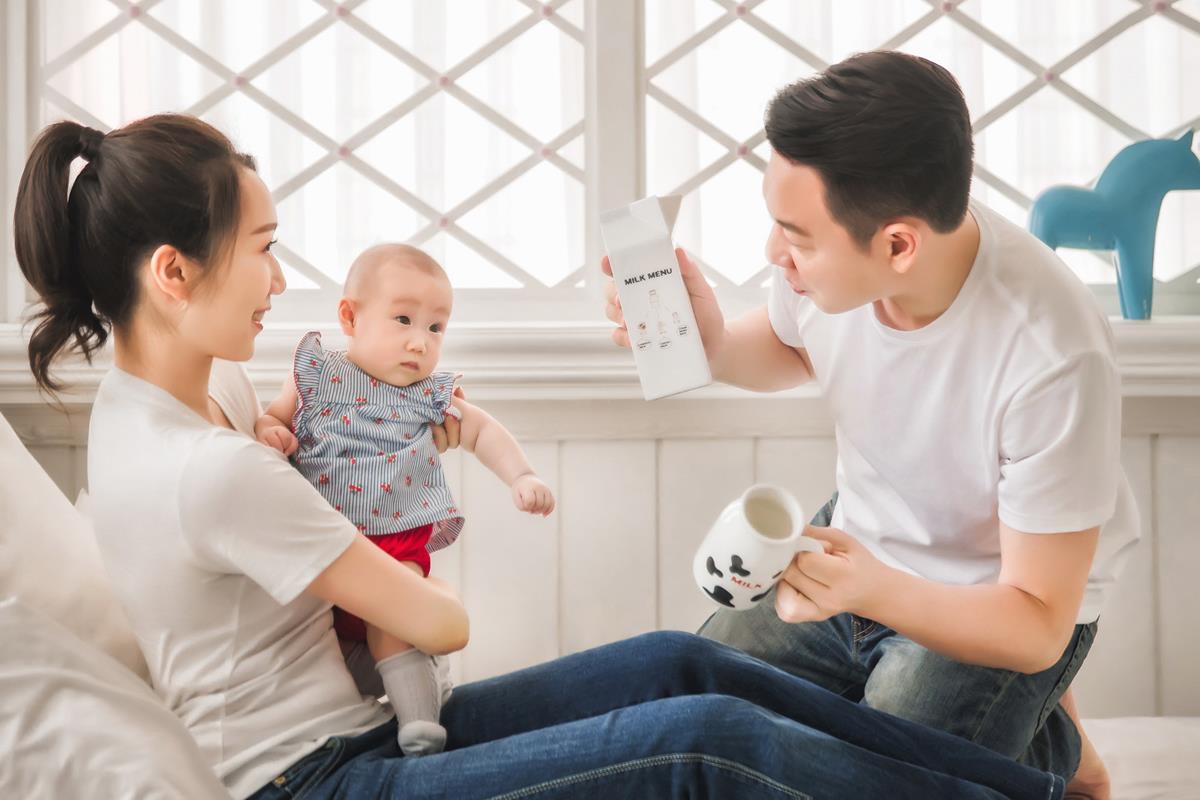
{"x": 553, "y": 342}
{"x": 1181, "y": 295}
{"x": 565, "y": 299}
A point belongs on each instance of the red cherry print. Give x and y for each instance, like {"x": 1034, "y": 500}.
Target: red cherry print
{"x": 428, "y": 391}
{"x": 396, "y": 515}
{"x": 336, "y": 379}
{"x": 361, "y": 528}
{"x": 375, "y": 511}
{"x": 345, "y": 419}
{"x": 360, "y": 400}
{"x": 408, "y": 436}
{"x": 403, "y": 396}
{"x": 353, "y": 460}
{"x": 395, "y": 414}
{"x": 387, "y": 487}
{"x": 323, "y": 480}
{"x": 425, "y": 503}
{"x": 414, "y": 451}
{"x": 312, "y": 362}
{"x": 374, "y": 383}
{"x": 327, "y": 412}
{"x": 337, "y": 508}
{"x": 452, "y": 510}
{"x": 379, "y": 420}
{"x": 391, "y": 459}
{"x": 354, "y": 488}
{"x": 408, "y": 480}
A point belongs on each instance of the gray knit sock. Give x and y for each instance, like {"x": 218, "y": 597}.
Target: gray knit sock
{"x": 415, "y": 692}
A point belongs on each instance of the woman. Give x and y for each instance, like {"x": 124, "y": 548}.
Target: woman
{"x": 229, "y": 561}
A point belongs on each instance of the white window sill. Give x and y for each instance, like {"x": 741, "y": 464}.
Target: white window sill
{"x": 551, "y": 361}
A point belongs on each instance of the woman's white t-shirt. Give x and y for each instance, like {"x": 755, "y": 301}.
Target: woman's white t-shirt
{"x": 211, "y": 539}
{"x": 1007, "y": 408}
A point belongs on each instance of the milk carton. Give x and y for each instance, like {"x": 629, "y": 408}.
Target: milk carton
{"x": 658, "y": 313}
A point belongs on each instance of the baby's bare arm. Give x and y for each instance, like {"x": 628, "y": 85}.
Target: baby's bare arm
{"x": 491, "y": 443}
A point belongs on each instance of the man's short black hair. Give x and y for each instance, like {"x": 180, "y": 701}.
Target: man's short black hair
{"x": 889, "y": 134}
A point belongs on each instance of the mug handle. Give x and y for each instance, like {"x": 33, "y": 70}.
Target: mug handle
{"x": 810, "y": 545}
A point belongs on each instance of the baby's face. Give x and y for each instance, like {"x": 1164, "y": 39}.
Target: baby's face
{"x": 398, "y": 329}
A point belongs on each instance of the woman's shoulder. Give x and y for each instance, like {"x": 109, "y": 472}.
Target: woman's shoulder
{"x": 230, "y": 385}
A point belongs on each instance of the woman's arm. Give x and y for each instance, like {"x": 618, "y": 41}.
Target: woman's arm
{"x": 372, "y": 585}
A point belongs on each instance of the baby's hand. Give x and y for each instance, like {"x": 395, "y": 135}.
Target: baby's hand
{"x": 532, "y": 495}
{"x": 279, "y": 438}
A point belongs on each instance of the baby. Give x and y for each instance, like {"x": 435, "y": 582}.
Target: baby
{"x": 357, "y": 425}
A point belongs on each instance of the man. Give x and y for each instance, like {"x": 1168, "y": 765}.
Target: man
{"x": 982, "y": 511}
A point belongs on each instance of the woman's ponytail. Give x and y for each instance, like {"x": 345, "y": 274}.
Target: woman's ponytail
{"x": 46, "y": 233}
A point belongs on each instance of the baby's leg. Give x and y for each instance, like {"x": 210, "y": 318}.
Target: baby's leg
{"x": 410, "y": 678}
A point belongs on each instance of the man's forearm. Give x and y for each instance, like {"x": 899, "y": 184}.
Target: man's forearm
{"x": 751, "y": 356}
{"x": 993, "y": 625}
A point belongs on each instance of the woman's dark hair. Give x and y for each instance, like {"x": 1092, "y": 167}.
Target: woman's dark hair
{"x": 889, "y": 134}
{"x": 167, "y": 179}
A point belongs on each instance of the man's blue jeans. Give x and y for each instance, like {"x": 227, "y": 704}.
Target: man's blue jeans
{"x": 662, "y": 715}
{"x": 1014, "y": 714}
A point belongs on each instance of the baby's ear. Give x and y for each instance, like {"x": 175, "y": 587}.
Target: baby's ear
{"x": 346, "y": 312}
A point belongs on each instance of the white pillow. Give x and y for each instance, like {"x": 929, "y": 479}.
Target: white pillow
{"x": 75, "y": 723}
{"x": 49, "y": 558}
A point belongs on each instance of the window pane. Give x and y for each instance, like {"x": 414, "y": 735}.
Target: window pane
{"x": 1046, "y": 138}
{"x": 351, "y": 124}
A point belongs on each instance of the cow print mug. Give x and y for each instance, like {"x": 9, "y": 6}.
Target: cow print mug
{"x": 750, "y": 545}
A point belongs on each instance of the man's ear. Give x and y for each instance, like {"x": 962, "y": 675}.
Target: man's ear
{"x": 903, "y": 241}
{"x": 346, "y": 313}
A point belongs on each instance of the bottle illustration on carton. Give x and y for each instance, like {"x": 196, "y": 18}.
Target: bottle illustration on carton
{"x": 658, "y": 321}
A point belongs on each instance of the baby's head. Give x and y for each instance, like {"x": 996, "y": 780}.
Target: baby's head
{"x": 394, "y": 311}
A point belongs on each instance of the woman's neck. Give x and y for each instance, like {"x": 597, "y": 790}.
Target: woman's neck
{"x": 157, "y": 359}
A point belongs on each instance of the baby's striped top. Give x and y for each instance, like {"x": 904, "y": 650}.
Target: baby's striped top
{"x": 367, "y": 446}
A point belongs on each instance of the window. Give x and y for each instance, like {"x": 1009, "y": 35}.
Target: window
{"x": 1055, "y": 90}
{"x": 456, "y": 126}
{"x": 460, "y": 125}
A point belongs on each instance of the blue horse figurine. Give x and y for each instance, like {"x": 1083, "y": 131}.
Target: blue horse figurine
{"x": 1121, "y": 213}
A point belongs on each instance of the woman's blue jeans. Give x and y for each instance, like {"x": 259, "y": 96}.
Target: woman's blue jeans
{"x": 662, "y": 715}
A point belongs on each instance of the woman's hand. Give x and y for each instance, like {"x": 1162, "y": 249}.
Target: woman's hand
{"x": 448, "y": 435}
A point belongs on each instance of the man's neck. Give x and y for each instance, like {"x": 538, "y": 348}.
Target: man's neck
{"x": 929, "y": 288}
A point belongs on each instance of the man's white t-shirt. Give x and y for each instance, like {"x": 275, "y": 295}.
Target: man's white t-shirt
{"x": 1007, "y": 408}
{"x": 211, "y": 539}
